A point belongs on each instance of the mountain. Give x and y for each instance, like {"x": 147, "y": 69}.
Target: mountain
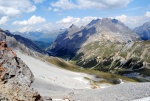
{"x": 30, "y": 35}
{"x": 143, "y": 31}
{"x": 45, "y": 36}
{"x": 102, "y": 30}
{"x": 105, "y": 45}
{"x": 27, "y": 42}
{"x": 55, "y": 83}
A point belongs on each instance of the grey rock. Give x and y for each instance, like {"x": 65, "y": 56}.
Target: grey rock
{"x": 16, "y": 77}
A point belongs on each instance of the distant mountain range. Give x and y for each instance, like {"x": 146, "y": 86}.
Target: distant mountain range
{"x": 24, "y": 41}
{"x": 45, "y": 36}
{"x": 143, "y": 31}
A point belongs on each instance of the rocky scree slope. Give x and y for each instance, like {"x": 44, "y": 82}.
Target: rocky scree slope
{"x": 15, "y": 76}
{"x": 143, "y": 31}
{"x": 103, "y": 30}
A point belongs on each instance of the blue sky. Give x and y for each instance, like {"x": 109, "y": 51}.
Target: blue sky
{"x": 38, "y": 15}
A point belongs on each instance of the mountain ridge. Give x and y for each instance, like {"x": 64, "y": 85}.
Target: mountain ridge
{"x": 97, "y": 30}
{"x": 27, "y": 42}
{"x": 143, "y": 31}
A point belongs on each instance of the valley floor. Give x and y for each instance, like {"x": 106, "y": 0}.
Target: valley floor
{"x": 58, "y": 83}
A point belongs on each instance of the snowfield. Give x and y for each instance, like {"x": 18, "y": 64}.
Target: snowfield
{"x": 57, "y": 83}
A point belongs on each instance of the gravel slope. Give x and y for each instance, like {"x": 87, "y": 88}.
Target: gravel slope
{"x": 59, "y": 83}
{"x": 122, "y": 92}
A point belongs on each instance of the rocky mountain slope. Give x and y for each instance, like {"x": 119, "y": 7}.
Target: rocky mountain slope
{"x": 27, "y": 42}
{"x": 56, "y": 83}
{"x": 103, "y": 30}
{"x": 15, "y": 76}
{"x": 132, "y": 59}
{"x": 143, "y": 31}
{"x": 106, "y": 45}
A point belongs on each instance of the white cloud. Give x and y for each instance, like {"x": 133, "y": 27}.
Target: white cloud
{"x": 13, "y": 8}
{"x": 26, "y": 29}
{"x": 147, "y": 14}
{"x": 3, "y": 20}
{"x": 16, "y": 6}
{"x": 64, "y": 4}
{"x": 38, "y": 27}
{"x": 38, "y": 1}
{"x": 86, "y": 4}
{"x": 56, "y": 10}
{"x": 133, "y": 21}
{"x": 46, "y": 8}
{"x": 32, "y": 9}
{"x": 31, "y": 21}
{"x": 66, "y": 22}
{"x": 122, "y": 18}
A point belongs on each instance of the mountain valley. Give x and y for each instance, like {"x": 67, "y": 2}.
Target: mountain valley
{"x": 103, "y": 56}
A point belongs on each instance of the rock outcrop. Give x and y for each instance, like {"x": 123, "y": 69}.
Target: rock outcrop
{"x": 15, "y": 76}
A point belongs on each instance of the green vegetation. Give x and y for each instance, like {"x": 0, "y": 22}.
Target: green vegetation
{"x": 145, "y": 72}
{"x": 104, "y": 60}
{"x": 115, "y": 58}
{"x": 109, "y": 78}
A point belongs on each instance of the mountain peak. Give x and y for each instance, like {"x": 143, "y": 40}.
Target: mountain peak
{"x": 72, "y": 29}
{"x": 102, "y": 30}
{"x": 73, "y": 26}
{"x": 146, "y": 24}
{"x": 115, "y": 21}
{"x": 109, "y": 20}
{"x": 94, "y": 22}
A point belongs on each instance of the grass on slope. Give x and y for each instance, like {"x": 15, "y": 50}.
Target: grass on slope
{"x": 110, "y": 78}
{"x": 61, "y": 63}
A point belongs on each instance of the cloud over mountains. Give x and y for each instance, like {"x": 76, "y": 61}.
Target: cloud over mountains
{"x": 87, "y": 4}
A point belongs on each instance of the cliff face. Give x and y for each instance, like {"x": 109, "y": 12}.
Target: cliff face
{"x": 15, "y": 76}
